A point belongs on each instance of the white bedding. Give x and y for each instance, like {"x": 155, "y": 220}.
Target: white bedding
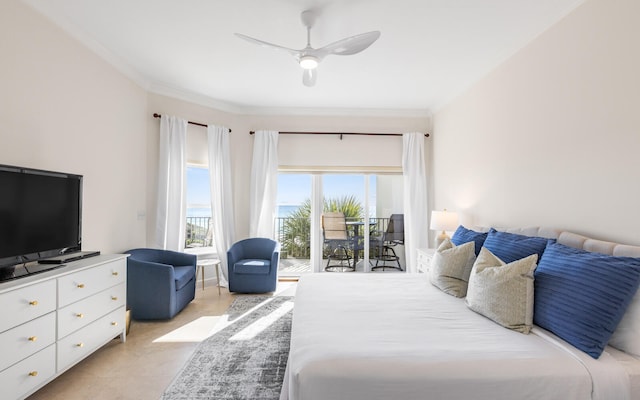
{"x": 395, "y": 336}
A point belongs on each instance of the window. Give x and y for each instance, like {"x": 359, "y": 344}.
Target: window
{"x": 199, "y": 230}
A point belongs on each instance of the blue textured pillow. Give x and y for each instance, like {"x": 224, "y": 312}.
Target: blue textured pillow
{"x": 581, "y": 296}
{"x": 463, "y": 235}
{"x": 510, "y": 247}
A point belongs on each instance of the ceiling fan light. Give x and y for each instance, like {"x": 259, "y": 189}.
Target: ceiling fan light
{"x": 308, "y": 62}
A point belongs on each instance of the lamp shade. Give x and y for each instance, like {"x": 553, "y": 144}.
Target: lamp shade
{"x": 444, "y": 221}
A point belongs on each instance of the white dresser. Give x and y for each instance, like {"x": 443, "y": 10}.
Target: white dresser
{"x": 52, "y": 320}
{"x": 424, "y": 259}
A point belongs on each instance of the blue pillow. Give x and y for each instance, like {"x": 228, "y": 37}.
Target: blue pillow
{"x": 463, "y": 235}
{"x": 510, "y": 247}
{"x": 581, "y": 296}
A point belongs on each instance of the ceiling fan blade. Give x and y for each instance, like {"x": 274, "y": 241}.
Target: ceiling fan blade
{"x": 351, "y": 45}
{"x": 295, "y": 53}
{"x": 308, "y": 58}
{"x": 309, "y": 76}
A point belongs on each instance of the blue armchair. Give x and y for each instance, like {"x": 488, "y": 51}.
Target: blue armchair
{"x": 253, "y": 265}
{"x": 160, "y": 283}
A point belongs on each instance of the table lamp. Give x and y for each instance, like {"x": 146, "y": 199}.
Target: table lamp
{"x": 443, "y": 221}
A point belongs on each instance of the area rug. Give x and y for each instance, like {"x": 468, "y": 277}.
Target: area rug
{"x": 246, "y": 356}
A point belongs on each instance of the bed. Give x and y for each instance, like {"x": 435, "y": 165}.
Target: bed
{"x": 397, "y": 336}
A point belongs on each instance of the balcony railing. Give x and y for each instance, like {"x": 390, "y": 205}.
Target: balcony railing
{"x": 198, "y": 232}
{"x": 294, "y": 237}
{"x": 294, "y": 234}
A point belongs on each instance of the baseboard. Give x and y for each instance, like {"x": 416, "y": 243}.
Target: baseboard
{"x": 289, "y": 279}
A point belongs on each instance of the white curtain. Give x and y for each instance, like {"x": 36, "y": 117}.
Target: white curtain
{"x": 171, "y": 211}
{"x": 264, "y": 184}
{"x": 416, "y": 229}
{"x": 222, "y": 213}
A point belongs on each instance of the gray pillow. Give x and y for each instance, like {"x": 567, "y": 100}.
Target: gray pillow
{"x": 451, "y": 266}
{"x": 503, "y": 292}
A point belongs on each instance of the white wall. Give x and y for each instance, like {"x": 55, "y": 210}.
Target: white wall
{"x": 552, "y": 136}
{"x": 63, "y": 108}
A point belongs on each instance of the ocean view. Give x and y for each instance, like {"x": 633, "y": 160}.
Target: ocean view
{"x": 284, "y": 211}
{"x": 293, "y": 190}
{"x": 198, "y": 212}
{"x": 195, "y": 212}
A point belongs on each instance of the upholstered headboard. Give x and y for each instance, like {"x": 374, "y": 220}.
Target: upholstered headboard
{"x": 575, "y": 240}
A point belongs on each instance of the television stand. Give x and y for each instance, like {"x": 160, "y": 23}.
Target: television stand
{"x": 65, "y": 258}
{"x": 72, "y": 312}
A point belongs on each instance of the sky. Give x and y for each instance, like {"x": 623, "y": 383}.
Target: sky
{"x": 293, "y": 189}
{"x": 198, "y": 193}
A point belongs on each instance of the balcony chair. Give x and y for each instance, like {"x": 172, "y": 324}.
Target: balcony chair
{"x": 382, "y": 245}
{"x": 160, "y": 283}
{"x": 334, "y": 231}
{"x": 253, "y": 265}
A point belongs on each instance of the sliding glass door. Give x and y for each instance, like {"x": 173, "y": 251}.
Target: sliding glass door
{"x": 366, "y": 200}
{"x": 345, "y": 194}
{"x": 386, "y": 252}
{"x": 293, "y": 223}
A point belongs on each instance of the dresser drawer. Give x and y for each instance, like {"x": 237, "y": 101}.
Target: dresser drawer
{"x": 83, "y": 342}
{"x": 82, "y": 284}
{"x": 27, "y": 303}
{"x": 81, "y": 313}
{"x": 27, "y": 339}
{"x": 27, "y": 375}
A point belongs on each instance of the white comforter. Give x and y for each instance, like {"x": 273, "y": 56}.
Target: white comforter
{"x": 395, "y": 336}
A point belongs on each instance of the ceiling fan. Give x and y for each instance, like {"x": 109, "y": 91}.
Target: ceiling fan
{"x": 309, "y": 58}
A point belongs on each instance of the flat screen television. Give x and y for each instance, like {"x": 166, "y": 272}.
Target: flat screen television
{"x": 40, "y": 215}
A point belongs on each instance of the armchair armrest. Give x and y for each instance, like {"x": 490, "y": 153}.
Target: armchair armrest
{"x": 177, "y": 258}
{"x": 234, "y": 254}
{"x": 154, "y": 275}
{"x": 275, "y": 257}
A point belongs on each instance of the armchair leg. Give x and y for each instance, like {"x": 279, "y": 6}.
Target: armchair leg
{"x": 340, "y": 257}
{"x": 388, "y": 254}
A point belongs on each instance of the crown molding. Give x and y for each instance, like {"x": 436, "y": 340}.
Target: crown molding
{"x": 241, "y": 109}
{"x": 47, "y": 10}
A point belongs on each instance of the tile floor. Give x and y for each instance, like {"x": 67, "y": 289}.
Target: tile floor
{"x": 153, "y": 354}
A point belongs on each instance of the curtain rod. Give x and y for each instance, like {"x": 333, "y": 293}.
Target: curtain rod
{"x": 339, "y": 133}
{"x": 156, "y": 115}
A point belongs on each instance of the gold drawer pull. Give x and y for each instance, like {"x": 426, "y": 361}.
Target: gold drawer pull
{"x": 114, "y": 273}
{"x": 80, "y": 344}
{"x": 114, "y": 298}
{"x": 114, "y": 323}
{"x": 80, "y": 315}
{"x": 33, "y": 303}
{"x": 80, "y": 285}
{"x": 33, "y": 338}
{"x": 33, "y": 373}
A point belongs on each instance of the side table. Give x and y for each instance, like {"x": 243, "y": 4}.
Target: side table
{"x": 207, "y": 262}
{"x": 424, "y": 259}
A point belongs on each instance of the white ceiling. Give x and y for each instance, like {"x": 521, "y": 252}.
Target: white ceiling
{"x": 429, "y": 50}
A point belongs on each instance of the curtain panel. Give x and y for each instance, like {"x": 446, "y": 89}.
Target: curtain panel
{"x": 222, "y": 212}
{"x": 264, "y": 184}
{"x": 416, "y": 227}
{"x": 171, "y": 199}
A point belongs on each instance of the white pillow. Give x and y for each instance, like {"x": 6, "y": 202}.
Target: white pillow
{"x": 451, "y": 266}
{"x": 503, "y": 292}
{"x": 626, "y": 337}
